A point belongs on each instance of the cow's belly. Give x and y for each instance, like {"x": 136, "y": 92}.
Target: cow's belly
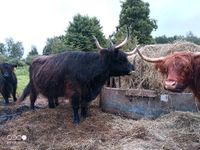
{"x": 57, "y": 89}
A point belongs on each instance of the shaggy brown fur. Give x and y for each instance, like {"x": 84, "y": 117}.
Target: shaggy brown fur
{"x": 184, "y": 68}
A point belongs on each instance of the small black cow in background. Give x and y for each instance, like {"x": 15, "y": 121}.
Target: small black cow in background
{"x": 8, "y": 81}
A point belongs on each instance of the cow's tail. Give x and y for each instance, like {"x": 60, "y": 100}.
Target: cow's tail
{"x": 25, "y": 93}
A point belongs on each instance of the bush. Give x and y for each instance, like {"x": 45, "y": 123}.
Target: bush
{"x": 16, "y": 61}
{"x": 3, "y": 59}
{"x": 22, "y": 78}
{"x": 29, "y": 59}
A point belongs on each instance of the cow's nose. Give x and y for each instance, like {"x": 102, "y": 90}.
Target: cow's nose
{"x": 6, "y": 74}
{"x": 131, "y": 69}
{"x": 170, "y": 84}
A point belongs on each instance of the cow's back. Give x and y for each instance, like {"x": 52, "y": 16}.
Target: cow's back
{"x": 50, "y": 75}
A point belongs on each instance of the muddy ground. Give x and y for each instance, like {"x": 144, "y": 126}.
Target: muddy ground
{"x": 53, "y": 129}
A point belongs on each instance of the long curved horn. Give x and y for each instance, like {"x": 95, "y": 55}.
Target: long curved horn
{"x": 122, "y": 44}
{"x": 133, "y": 51}
{"x": 148, "y": 59}
{"x": 97, "y": 43}
{"x": 196, "y": 54}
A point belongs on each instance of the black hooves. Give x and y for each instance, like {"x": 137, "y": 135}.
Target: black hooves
{"x": 76, "y": 120}
{"x": 6, "y": 102}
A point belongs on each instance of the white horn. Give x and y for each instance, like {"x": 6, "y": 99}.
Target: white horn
{"x": 97, "y": 43}
{"x": 122, "y": 44}
{"x": 133, "y": 51}
{"x": 148, "y": 59}
{"x": 196, "y": 54}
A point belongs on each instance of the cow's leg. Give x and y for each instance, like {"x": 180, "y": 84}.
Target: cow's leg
{"x": 56, "y": 101}
{"x": 6, "y": 100}
{"x": 14, "y": 93}
{"x": 33, "y": 97}
{"x": 84, "y": 109}
{"x": 5, "y": 96}
{"x": 113, "y": 82}
{"x": 51, "y": 102}
{"x": 75, "y": 106}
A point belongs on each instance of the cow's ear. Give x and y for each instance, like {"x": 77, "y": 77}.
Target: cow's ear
{"x": 14, "y": 66}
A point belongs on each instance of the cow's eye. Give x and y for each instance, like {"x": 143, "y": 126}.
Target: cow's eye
{"x": 164, "y": 70}
{"x": 122, "y": 60}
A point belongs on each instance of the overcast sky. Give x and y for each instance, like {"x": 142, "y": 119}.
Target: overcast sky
{"x": 33, "y": 21}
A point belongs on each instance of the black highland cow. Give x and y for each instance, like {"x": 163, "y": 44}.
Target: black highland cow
{"x": 40, "y": 60}
{"x": 76, "y": 75}
{"x": 8, "y": 81}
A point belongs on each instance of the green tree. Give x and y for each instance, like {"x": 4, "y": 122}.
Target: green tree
{"x": 161, "y": 39}
{"x": 54, "y": 45}
{"x": 14, "y": 49}
{"x": 120, "y": 36}
{"x": 33, "y": 50}
{"x": 79, "y": 33}
{"x": 192, "y": 38}
{"x": 135, "y": 16}
{"x": 3, "y": 58}
{"x": 164, "y": 39}
{"x": 2, "y": 49}
{"x": 31, "y": 55}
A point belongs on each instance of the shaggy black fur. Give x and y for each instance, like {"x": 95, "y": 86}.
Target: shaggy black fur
{"x": 8, "y": 81}
{"x": 78, "y": 76}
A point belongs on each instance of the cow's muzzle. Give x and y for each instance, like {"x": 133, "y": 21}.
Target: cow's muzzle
{"x": 131, "y": 72}
{"x": 6, "y": 75}
{"x": 131, "y": 69}
{"x": 173, "y": 86}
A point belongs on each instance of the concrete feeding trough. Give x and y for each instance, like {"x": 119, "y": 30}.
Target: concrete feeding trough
{"x": 138, "y": 103}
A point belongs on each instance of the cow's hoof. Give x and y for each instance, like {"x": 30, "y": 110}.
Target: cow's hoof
{"x": 56, "y": 103}
{"x": 85, "y": 114}
{"x": 6, "y": 103}
{"x": 32, "y": 107}
{"x": 76, "y": 121}
{"x": 51, "y": 105}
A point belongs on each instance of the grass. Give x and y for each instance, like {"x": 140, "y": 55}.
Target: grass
{"x": 22, "y": 78}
